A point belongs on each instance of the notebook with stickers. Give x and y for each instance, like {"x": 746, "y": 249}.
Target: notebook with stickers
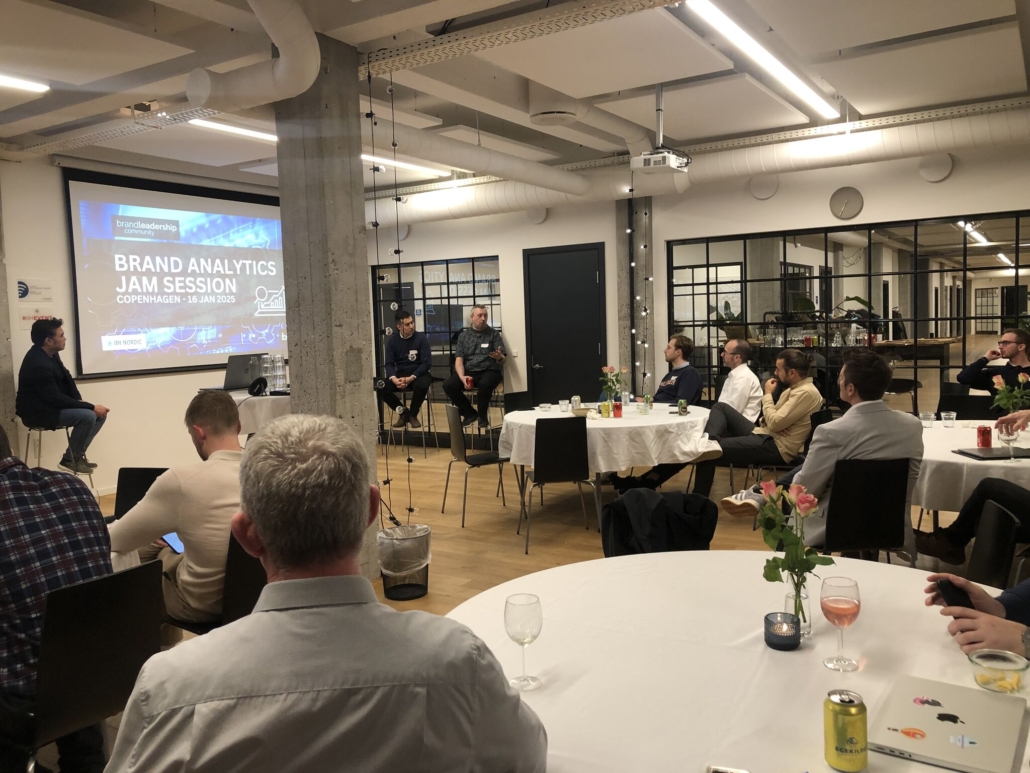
{"x": 960, "y": 728}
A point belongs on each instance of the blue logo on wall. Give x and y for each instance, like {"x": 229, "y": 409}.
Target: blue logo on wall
{"x": 23, "y": 289}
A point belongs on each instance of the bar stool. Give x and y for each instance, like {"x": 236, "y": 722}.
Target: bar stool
{"x": 427, "y": 425}
{"x": 496, "y": 400}
{"x": 39, "y": 447}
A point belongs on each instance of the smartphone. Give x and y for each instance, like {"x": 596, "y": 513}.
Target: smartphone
{"x": 174, "y": 542}
{"x": 953, "y": 596}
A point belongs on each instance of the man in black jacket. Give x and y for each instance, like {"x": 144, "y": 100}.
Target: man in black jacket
{"x": 1014, "y": 346}
{"x": 408, "y": 359}
{"x": 48, "y": 398}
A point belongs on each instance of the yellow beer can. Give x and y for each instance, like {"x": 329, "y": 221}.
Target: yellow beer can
{"x": 844, "y": 729}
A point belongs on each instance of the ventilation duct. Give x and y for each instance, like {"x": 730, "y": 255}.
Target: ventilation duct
{"x": 548, "y": 107}
{"x": 290, "y": 74}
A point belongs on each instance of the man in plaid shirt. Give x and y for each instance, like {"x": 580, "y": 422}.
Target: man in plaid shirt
{"x": 52, "y": 534}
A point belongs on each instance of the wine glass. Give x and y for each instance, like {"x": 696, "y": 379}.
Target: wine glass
{"x": 841, "y": 603}
{"x": 523, "y": 619}
{"x": 1008, "y": 436}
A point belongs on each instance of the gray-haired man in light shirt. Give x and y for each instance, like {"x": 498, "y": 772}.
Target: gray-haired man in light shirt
{"x": 322, "y": 676}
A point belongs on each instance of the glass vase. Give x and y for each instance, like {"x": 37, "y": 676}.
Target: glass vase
{"x": 802, "y": 610}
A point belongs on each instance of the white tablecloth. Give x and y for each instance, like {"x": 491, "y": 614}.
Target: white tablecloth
{"x": 947, "y": 479}
{"x": 256, "y": 412}
{"x": 657, "y": 663}
{"x": 615, "y": 444}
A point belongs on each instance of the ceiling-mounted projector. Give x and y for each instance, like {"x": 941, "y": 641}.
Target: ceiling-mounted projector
{"x": 661, "y": 160}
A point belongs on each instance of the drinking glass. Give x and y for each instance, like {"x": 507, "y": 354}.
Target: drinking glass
{"x": 841, "y": 603}
{"x": 563, "y": 406}
{"x": 948, "y": 418}
{"x": 266, "y": 365}
{"x": 927, "y": 419}
{"x": 523, "y": 619}
{"x": 1008, "y": 436}
{"x": 254, "y": 369}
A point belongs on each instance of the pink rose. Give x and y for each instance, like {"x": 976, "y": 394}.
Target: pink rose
{"x": 805, "y": 504}
{"x": 1023, "y": 378}
{"x": 626, "y": 370}
{"x": 771, "y": 491}
{"x": 794, "y": 492}
{"x": 999, "y": 382}
{"x": 604, "y": 369}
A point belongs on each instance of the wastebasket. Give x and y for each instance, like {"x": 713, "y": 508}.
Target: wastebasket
{"x": 404, "y": 557}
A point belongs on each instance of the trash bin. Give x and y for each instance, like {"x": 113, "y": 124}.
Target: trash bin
{"x": 404, "y": 557}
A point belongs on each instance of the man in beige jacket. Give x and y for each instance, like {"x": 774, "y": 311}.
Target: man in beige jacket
{"x": 197, "y": 502}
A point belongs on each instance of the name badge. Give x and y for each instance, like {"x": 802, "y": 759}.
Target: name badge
{"x": 484, "y": 346}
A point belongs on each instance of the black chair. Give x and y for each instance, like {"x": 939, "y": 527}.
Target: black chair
{"x": 868, "y": 510}
{"x": 954, "y": 388}
{"x": 244, "y": 579}
{"x": 978, "y": 407}
{"x": 96, "y": 637}
{"x": 905, "y": 386}
{"x": 133, "y": 484}
{"x": 471, "y": 461}
{"x": 559, "y": 456}
{"x": 994, "y": 548}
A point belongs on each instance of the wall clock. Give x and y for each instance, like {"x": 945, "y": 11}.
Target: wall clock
{"x": 846, "y": 203}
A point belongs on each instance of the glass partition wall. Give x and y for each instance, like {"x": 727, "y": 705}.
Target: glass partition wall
{"x": 929, "y": 295}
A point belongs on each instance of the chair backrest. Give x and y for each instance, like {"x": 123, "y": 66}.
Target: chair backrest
{"x": 96, "y": 637}
{"x": 517, "y": 401}
{"x": 900, "y": 386}
{"x": 457, "y": 432}
{"x": 994, "y": 548}
{"x": 133, "y": 484}
{"x": 968, "y": 406}
{"x": 824, "y": 416}
{"x": 560, "y": 450}
{"x": 867, "y": 508}
{"x": 244, "y": 579}
{"x": 954, "y": 388}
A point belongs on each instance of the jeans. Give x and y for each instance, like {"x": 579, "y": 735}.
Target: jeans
{"x": 85, "y": 425}
{"x": 485, "y": 381}
{"x": 1013, "y": 498}
{"x": 419, "y": 389}
{"x": 81, "y": 751}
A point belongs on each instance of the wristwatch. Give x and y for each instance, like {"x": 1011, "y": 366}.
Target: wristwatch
{"x": 1026, "y": 642}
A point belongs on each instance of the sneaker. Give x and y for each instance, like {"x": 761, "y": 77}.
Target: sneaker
{"x": 743, "y": 504}
{"x": 940, "y": 546}
{"x": 88, "y": 462}
{"x": 401, "y": 420}
{"x": 468, "y": 421}
{"x": 484, "y": 424}
{"x": 713, "y": 451}
{"x": 413, "y": 421}
{"x": 78, "y": 468}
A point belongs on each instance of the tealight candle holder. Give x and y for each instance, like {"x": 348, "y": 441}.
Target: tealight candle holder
{"x": 782, "y": 631}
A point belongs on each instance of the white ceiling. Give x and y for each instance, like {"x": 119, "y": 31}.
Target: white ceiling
{"x": 635, "y": 50}
{"x": 53, "y": 45}
{"x": 977, "y": 64}
{"x": 494, "y": 142}
{"x": 194, "y": 144}
{"x": 382, "y": 179}
{"x": 814, "y": 26}
{"x": 734, "y": 104}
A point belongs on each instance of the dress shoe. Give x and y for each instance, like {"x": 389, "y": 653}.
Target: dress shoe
{"x": 939, "y": 546}
{"x": 413, "y": 421}
{"x": 401, "y": 420}
{"x": 468, "y": 421}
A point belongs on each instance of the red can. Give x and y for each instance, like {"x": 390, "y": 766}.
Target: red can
{"x": 983, "y": 436}
{"x": 618, "y": 410}
{"x": 808, "y": 340}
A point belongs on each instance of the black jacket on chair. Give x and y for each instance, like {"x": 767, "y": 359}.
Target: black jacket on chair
{"x": 45, "y": 388}
{"x": 644, "y": 521}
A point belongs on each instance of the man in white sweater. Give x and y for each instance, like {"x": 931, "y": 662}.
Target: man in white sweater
{"x": 741, "y": 391}
{"x": 197, "y": 502}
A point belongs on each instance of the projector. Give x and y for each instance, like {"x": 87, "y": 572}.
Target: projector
{"x": 662, "y": 160}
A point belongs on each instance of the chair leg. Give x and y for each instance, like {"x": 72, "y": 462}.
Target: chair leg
{"x": 446, "y": 483}
{"x": 582, "y": 502}
{"x": 500, "y": 479}
{"x": 529, "y": 512}
{"x": 465, "y": 496}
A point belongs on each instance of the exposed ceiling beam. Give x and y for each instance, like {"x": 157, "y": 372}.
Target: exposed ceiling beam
{"x": 217, "y": 12}
{"x": 381, "y": 18}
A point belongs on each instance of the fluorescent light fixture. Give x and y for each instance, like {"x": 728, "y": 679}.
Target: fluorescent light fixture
{"x": 10, "y": 82}
{"x": 973, "y": 232}
{"x": 224, "y": 127}
{"x": 403, "y": 165}
{"x": 1005, "y": 258}
{"x": 751, "y": 48}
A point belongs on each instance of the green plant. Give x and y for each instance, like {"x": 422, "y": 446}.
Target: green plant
{"x": 779, "y": 529}
{"x": 1011, "y": 398}
{"x": 611, "y": 380}
{"x": 725, "y": 318}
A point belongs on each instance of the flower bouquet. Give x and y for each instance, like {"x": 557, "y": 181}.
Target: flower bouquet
{"x": 611, "y": 380}
{"x": 1011, "y": 399}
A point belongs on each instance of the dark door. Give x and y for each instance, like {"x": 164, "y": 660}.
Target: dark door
{"x": 565, "y": 321}
{"x": 1013, "y": 303}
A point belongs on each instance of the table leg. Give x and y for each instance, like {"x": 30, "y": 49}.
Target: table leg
{"x": 521, "y": 475}
{"x": 597, "y": 497}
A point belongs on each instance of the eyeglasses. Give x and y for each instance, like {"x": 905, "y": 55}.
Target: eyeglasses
{"x": 1007, "y": 343}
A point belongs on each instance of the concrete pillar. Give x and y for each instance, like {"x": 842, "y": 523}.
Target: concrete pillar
{"x": 642, "y": 254}
{"x": 7, "y": 363}
{"x": 623, "y": 299}
{"x": 328, "y": 293}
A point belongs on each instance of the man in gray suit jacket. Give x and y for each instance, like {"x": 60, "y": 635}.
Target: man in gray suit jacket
{"x": 869, "y": 430}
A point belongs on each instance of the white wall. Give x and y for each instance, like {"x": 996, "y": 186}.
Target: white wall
{"x": 507, "y": 236}
{"x": 145, "y": 427}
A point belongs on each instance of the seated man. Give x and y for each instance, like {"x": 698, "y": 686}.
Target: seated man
{"x": 408, "y": 359}
{"x": 741, "y": 391}
{"x": 52, "y": 534}
{"x": 993, "y": 623}
{"x": 682, "y": 382}
{"x": 1013, "y": 346}
{"x": 479, "y": 357}
{"x": 321, "y": 676}
{"x": 869, "y": 430}
{"x": 197, "y": 502}
{"x": 48, "y": 398}
{"x": 949, "y": 544}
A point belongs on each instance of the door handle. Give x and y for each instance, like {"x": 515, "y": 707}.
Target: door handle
{"x": 538, "y": 367}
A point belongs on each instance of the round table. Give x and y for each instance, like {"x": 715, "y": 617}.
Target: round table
{"x": 946, "y": 479}
{"x": 656, "y": 662}
{"x": 634, "y": 440}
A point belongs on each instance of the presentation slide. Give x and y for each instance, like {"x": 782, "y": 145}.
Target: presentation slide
{"x": 165, "y": 280}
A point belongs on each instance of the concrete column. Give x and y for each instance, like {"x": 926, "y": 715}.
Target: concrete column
{"x": 642, "y": 254}
{"x": 623, "y": 299}
{"x": 7, "y": 363}
{"x": 328, "y": 293}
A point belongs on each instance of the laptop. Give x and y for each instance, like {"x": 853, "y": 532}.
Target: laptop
{"x": 994, "y": 454}
{"x": 959, "y": 728}
{"x": 237, "y": 373}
